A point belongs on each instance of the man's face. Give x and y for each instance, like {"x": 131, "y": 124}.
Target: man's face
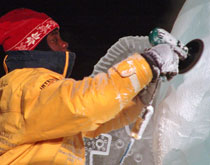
{"x": 55, "y": 42}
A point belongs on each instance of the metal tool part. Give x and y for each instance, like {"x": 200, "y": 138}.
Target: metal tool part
{"x": 190, "y": 53}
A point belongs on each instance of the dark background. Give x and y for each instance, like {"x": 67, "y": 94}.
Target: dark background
{"x": 91, "y": 27}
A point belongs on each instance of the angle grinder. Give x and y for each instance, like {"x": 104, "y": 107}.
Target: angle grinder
{"x": 191, "y": 52}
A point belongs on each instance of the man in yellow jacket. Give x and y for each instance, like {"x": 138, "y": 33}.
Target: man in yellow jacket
{"x": 44, "y": 114}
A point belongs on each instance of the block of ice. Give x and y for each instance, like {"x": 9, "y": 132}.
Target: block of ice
{"x": 181, "y": 134}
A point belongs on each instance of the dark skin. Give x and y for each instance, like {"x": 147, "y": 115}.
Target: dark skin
{"x": 55, "y": 41}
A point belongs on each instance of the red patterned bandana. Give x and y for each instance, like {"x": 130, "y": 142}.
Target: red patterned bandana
{"x": 23, "y": 29}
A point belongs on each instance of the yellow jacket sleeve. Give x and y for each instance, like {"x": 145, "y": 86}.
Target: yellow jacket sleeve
{"x": 48, "y": 106}
{"x": 128, "y": 115}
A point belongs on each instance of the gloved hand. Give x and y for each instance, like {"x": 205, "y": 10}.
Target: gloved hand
{"x": 163, "y": 59}
{"x": 147, "y": 94}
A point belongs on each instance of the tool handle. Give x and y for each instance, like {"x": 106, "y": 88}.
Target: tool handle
{"x": 142, "y": 122}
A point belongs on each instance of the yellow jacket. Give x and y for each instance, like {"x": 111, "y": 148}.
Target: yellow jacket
{"x": 45, "y": 116}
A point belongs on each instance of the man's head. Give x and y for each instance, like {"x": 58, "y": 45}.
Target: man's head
{"x": 24, "y": 29}
{"x": 55, "y": 42}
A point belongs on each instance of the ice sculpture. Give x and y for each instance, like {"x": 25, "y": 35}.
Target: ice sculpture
{"x": 182, "y": 134}
{"x": 179, "y": 133}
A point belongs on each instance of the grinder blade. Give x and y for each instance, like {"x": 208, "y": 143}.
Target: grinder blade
{"x": 195, "y": 47}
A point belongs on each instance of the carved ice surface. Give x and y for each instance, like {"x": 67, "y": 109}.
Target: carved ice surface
{"x": 182, "y": 124}
{"x": 179, "y": 132}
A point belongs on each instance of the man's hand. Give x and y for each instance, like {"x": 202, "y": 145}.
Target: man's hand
{"x": 147, "y": 94}
{"x": 163, "y": 60}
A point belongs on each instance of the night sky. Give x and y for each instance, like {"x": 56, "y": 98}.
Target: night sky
{"x": 91, "y": 27}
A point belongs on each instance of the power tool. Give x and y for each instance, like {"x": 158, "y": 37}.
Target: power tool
{"x": 190, "y": 53}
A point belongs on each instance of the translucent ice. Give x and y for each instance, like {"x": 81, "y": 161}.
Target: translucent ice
{"x": 182, "y": 121}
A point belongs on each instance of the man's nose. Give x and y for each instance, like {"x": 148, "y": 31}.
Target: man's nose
{"x": 64, "y": 45}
